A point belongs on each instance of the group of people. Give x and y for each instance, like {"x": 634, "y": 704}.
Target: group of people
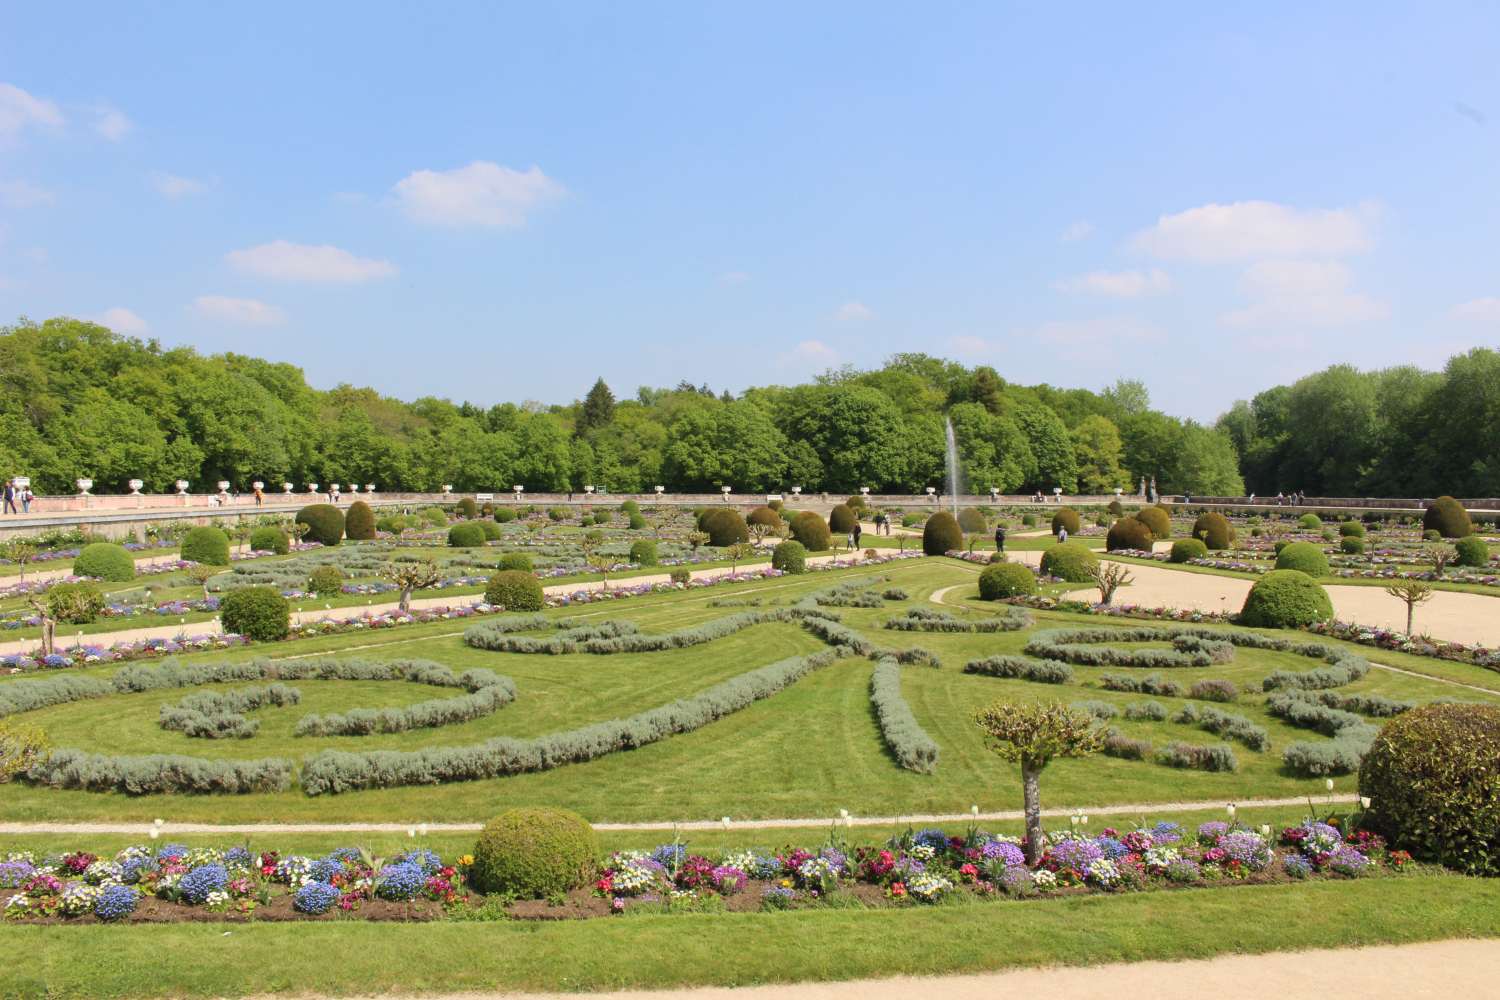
{"x": 1291, "y": 499}
{"x": 14, "y": 494}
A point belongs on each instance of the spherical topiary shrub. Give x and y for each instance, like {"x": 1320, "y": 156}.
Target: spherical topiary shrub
{"x": 1448, "y": 518}
{"x": 518, "y": 561}
{"x": 107, "y": 561}
{"x": 637, "y": 523}
{"x": 856, "y": 502}
{"x": 1286, "y": 598}
{"x": 1281, "y": 544}
{"x": 1071, "y": 560}
{"x": 1352, "y": 529}
{"x": 630, "y": 507}
{"x": 812, "y": 531}
{"x": 491, "y": 530}
{"x": 359, "y": 522}
{"x": 1116, "y": 508}
{"x": 1029, "y": 520}
{"x": 643, "y": 552}
{"x": 790, "y": 556}
{"x": 504, "y": 515}
{"x": 1305, "y": 557}
{"x": 436, "y": 517}
{"x": 487, "y": 509}
{"x": 1432, "y": 535}
{"x": 467, "y": 508}
{"x": 1214, "y": 531}
{"x": 534, "y": 853}
{"x": 941, "y": 534}
{"x": 1066, "y": 518}
{"x": 603, "y": 517}
{"x": 1188, "y": 548}
{"x": 912, "y": 520}
{"x": 764, "y": 515}
{"x": 1128, "y": 533}
{"x": 726, "y": 527}
{"x": 258, "y": 613}
{"x": 325, "y": 523}
{"x": 1156, "y": 519}
{"x": 465, "y": 536}
{"x": 972, "y": 520}
{"x": 1002, "y": 580}
{"x": 1472, "y": 551}
{"x": 1433, "y": 780}
{"x": 1352, "y": 546}
{"x": 514, "y": 590}
{"x": 269, "y": 539}
{"x": 1310, "y": 522}
{"x": 75, "y": 603}
{"x": 207, "y": 546}
{"x": 326, "y": 581}
{"x": 776, "y": 505}
{"x": 558, "y": 513}
{"x": 841, "y": 519}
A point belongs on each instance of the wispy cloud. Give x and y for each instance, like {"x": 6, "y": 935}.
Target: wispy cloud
{"x": 113, "y": 124}
{"x": 297, "y": 262}
{"x": 809, "y": 354}
{"x": 1077, "y": 231}
{"x": 237, "y": 310}
{"x": 1486, "y": 310}
{"x": 176, "y": 187}
{"x": 481, "y": 194}
{"x": 19, "y": 109}
{"x": 851, "y": 312}
{"x": 1248, "y": 230}
{"x": 121, "y": 320}
{"x": 21, "y": 194}
{"x": 1275, "y": 278}
{"x": 1125, "y": 284}
{"x": 1306, "y": 311}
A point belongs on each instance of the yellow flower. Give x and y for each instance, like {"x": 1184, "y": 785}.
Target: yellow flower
{"x": 786, "y": 883}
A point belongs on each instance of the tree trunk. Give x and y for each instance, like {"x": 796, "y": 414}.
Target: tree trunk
{"x": 1033, "y": 796}
{"x": 405, "y": 598}
{"x": 48, "y": 626}
{"x": 1411, "y": 608}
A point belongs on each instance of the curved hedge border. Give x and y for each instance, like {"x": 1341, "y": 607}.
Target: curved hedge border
{"x": 1225, "y": 724}
{"x": 914, "y": 749}
{"x": 1193, "y": 647}
{"x": 927, "y": 620}
{"x": 1040, "y": 671}
{"x": 488, "y": 692}
{"x": 1352, "y": 735}
{"x": 219, "y": 716}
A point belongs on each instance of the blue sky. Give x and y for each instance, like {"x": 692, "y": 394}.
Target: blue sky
{"x": 500, "y": 202}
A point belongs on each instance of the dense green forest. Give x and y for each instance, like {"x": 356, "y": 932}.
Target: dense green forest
{"x": 82, "y": 401}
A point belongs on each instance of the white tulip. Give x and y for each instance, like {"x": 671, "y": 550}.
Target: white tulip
{"x": 155, "y": 833}
{"x": 973, "y": 810}
{"x": 1364, "y": 802}
{"x": 411, "y": 831}
{"x": 158, "y": 822}
{"x": 422, "y": 829}
{"x": 1230, "y": 809}
{"x": 1328, "y": 784}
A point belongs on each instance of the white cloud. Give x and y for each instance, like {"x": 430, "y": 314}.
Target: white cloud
{"x": 481, "y": 194}
{"x": 114, "y": 124}
{"x": 1251, "y": 229}
{"x": 1306, "y": 310}
{"x": 121, "y": 320}
{"x": 733, "y": 277}
{"x": 850, "y": 312}
{"x": 175, "y": 187}
{"x": 20, "y": 194}
{"x": 19, "y": 109}
{"x": 237, "y": 310}
{"x": 1486, "y": 310}
{"x": 810, "y": 353}
{"x": 1077, "y": 231}
{"x": 1127, "y": 284}
{"x": 1271, "y": 279}
{"x": 296, "y": 262}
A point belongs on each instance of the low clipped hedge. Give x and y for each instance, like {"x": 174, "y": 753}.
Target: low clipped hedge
{"x": 326, "y": 581}
{"x": 841, "y": 520}
{"x": 325, "y": 523}
{"x": 725, "y": 527}
{"x": 466, "y": 535}
{"x": 764, "y": 515}
{"x": 1448, "y": 518}
{"x": 75, "y": 603}
{"x": 1305, "y": 557}
{"x": 1286, "y": 598}
{"x": 359, "y": 522}
{"x": 1128, "y": 533}
{"x": 972, "y": 520}
{"x": 790, "y": 556}
{"x": 1003, "y": 580}
{"x": 1472, "y": 551}
{"x": 514, "y": 590}
{"x": 1157, "y": 520}
{"x": 812, "y": 531}
{"x": 643, "y": 552}
{"x": 210, "y": 546}
{"x": 520, "y": 562}
{"x": 1072, "y": 561}
{"x": 1185, "y": 549}
{"x": 270, "y": 539}
{"x": 1066, "y": 518}
{"x": 107, "y": 561}
{"x": 1433, "y": 779}
{"x": 258, "y": 613}
{"x": 941, "y": 534}
{"x": 535, "y": 852}
{"x": 1214, "y": 530}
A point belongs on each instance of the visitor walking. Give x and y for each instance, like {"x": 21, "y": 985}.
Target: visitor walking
{"x": 999, "y": 538}
{"x": 10, "y": 498}
{"x": 857, "y": 533}
{"x": 258, "y": 496}
{"x": 1062, "y": 534}
{"x": 26, "y": 498}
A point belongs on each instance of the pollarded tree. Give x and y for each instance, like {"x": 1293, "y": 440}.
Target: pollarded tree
{"x": 1032, "y": 735}
{"x": 416, "y": 575}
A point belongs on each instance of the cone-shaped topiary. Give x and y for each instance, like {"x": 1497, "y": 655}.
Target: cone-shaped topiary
{"x": 1005, "y": 579}
{"x": 1066, "y": 518}
{"x": 1305, "y": 557}
{"x": 1128, "y": 533}
{"x": 1433, "y": 780}
{"x": 1352, "y": 529}
{"x": 1286, "y": 598}
{"x": 465, "y": 536}
{"x": 359, "y": 522}
{"x": 517, "y": 561}
{"x": 1156, "y": 519}
{"x": 1072, "y": 561}
{"x": 790, "y": 556}
{"x": 325, "y": 524}
{"x": 972, "y": 521}
{"x": 1116, "y": 508}
{"x": 209, "y": 546}
{"x": 514, "y": 590}
{"x": 941, "y": 534}
{"x": 812, "y": 531}
{"x": 269, "y": 539}
{"x": 1448, "y": 518}
{"x": 725, "y": 527}
{"x": 764, "y": 515}
{"x": 258, "y": 613}
{"x": 643, "y": 552}
{"x": 1188, "y": 548}
{"x": 841, "y": 519}
{"x": 1214, "y": 531}
{"x": 534, "y": 853}
{"x": 467, "y": 508}
{"x": 107, "y": 561}
{"x": 1472, "y": 551}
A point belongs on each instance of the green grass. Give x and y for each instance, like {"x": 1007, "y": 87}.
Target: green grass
{"x": 342, "y": 958}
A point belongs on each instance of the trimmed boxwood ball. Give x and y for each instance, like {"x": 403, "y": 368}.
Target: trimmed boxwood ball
{"x": 1116, "y": 508}
{"x": 1351, "y": 546}
{"x": 1472, "y": 551}
{"x": 790, "y": 556}
{"x": 812, "y": 531}
{"x": 1128, "y": 533}
{"x": 467, "y": 508}
{"x": 514, "y": 590}
{"x": 1432, "y": 535}
{"x": 75, "y": 603}
{"x": 1188, "y": 548}
{"x": 359, "y": 522}
{"x": 436, "y": 517}
{"x": 1310, "y": 522}
{"x": 643, "y": 552}
{"x": 1071, "y": 560}
{"x": 1286, "y": 598}
{"x": 1304, "y": 557}
{"x": 492, "y": 532}
{"x": 856, "y": 501}
{"x": 325, "y": 581}
{"x": 1352, "y": 529}
{"x": 841, "y": 519}
{"x": 1214, "y": 531}
{"x": 487, "y": 509}
{"x": 325, "y": 524}
{"x": 630, "y": 507}
{"x": 534, "y": 853}
{"x": 210, "y": 547}
{"x": 1066, "y": 517}
{"x": 1029, "y": 520}
{"x": 972, "y": 520}
{"x": 1328, "y": 535}
{"x": 518, "y": 561}
{"x": 1281, "y": 544}
{"x": 776, "y": 505}
{"x": 912, "y": 520}
{"x": 602, "y": 517}
{"x": 465, "y": 536}
{"x": 637, "y": 522}
{"x": 1005, "y": 579}
{"x": 764, "y": 515}
{"x": 941, "y": 534}
{"x": 107, "y": 561}
{"x": 725, "y": 527}
{"x": 558, "y": 513}
{"x": 1448, "y": 518}
{"x": 1157, "y": 520}
{"x": 270, "y": 539}
{"x": 258, "y": 613}
{"x": 504, "y": 515}
{"x": 1433, "y": 778}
